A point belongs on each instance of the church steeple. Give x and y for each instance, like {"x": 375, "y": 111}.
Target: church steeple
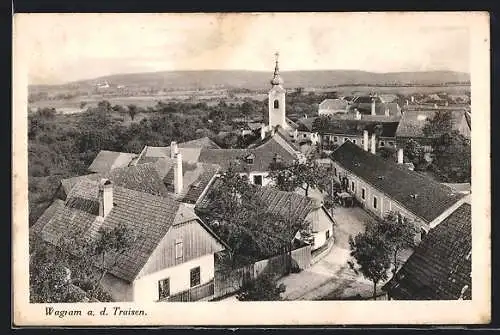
{"x": 277, "y": 99}
{"x": 276, "y": 77}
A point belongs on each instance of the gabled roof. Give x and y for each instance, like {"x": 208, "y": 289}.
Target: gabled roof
{"x": 265, "y": 154}
{"x": 106, "y": 160}
{"x": 440, "y": 267}
{"x": 398, "y": 182}
{"x": 148, "y": 217}
{"x": 189, "y": 150}
{"x": 380, "y": 109}
{"x": 412, "y": 122}
{"x": 142, "y": 177}
{"x": 333, "y": 104}
{"x": 188, "y": 154}
{"x": 334, "y": 126}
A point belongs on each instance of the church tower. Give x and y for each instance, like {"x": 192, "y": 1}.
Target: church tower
{"x": 277, "y": 100}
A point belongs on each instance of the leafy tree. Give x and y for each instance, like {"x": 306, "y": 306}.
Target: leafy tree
{"x": 263, "y": 288}
{"x": 452, "y": 157}
{"x": 415, "y": 154}
{"x": 236, "y": 213}
{"x": 398, "y": 233}
{"x": 110, "y": 245}
{"x": 370, "y": 257}
{"x": 304, "y": 175}
{"x": 132, "y": 111}
{"x": 440, "y": 123}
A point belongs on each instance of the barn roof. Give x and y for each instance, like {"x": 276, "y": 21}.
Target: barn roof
{"x": 440, "y": 267}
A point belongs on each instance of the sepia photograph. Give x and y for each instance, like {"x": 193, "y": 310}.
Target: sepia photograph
{"x": 298, "y": 166}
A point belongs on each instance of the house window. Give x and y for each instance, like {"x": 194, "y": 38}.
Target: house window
{"x": 335, "y": 171}
{"x": 194, "y": 276}
{"x": 375, "y": 202}
{"x": 257, "y": 180}
{"x": 382, "y": 143}
{"x": 164, "y": 288}
{"x": 352, "y": 186}
{"x": 345, "y": 139}
{"x": 335, "y": 139}
{"x": 363, "y": 194}
{"x": 178, "y": 249}
{"x": 276, "y": 104}
{"x": 391, "y": 143}
{"x": 327, "y": 234}
{"x": 354, "y": 141}
{"x": 305, "y": 135}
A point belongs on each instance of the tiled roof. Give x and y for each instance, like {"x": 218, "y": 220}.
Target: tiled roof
{"x": 335, "y": 126}
{"x": 148, "y": 217}
{"x": 333, "y": 104}
{"x": 203, "y": 142}
{"x": 46, "y": 216}
{"x": 388, "y": 97}
{"x": 106, "y": 160}
{"x": 412, "y": 122}
{"x": 264, "y": 155}
{"x": 397, "y": 182}
{"x": 380, "y": 109}
{"x": 440, "y": 267}
{"x": 196, "y": 177}
{"x": 142, "y": 177}
{"x": 188, "y": 154}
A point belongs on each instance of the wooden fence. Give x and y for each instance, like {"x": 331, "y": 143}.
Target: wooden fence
{"x": 194, "y": 294}
{"x": 228, "y": 281}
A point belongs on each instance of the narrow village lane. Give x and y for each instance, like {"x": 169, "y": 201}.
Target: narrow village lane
{"x": 331, "y": 276}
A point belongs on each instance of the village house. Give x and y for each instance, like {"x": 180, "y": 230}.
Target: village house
{"x": 381, "y": 185}
{"x": 290, "y": 205}
{"x": 333, "y": 106}
{"x": 413, "y": 122}
{"x": 440, "y": 267}
{"x": 332, "y": 131}
{"x": 172, "y": 254}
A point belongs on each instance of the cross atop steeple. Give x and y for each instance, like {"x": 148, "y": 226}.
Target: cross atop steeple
{"x": 276, "y": 78}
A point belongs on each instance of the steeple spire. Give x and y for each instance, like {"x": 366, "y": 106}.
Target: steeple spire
{"x": 276, "y": 77}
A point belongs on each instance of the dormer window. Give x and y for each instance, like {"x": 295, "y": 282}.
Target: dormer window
{"x": 249, "y": 159}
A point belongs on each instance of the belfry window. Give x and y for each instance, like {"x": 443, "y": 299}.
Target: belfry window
{"x": 276, "y": 104}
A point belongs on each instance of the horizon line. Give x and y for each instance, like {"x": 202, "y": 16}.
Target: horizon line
{"x": 242, "y": 70}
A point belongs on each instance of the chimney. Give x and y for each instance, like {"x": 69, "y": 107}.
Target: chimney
{"x": 178, "y": 182}
{"x": 174, "y": 149}
{"x": 262, "y": 132}
{"x": 374, "y": 143}
{"x": 435, "y": 106}
{"x": 105, "y": 197}
{"x": 373, "y": 107}
{"x": 412, "y": 98}
{"x": 357, "y": 115}
{"x": 407, "y": 102}
{"x": 365, "y": 140}
{"x": 387, "y": 111}
{"x": 296, "y": 135}
{"x": 400, "y": 156}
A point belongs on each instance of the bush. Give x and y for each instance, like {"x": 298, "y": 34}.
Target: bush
{"x": 264, "y": 288}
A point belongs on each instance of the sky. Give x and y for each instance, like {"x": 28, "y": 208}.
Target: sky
{"x": 61, "y": 48}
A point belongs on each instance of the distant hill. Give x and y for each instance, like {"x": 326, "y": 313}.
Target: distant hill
{"x": 173, "y": 80}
